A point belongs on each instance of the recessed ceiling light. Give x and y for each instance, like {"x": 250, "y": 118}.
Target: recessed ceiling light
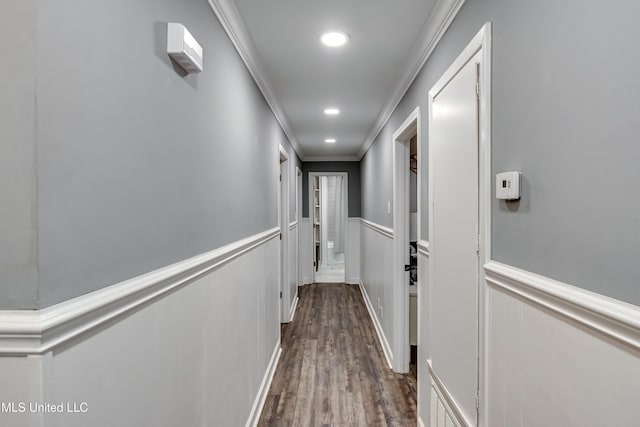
{"x": 334, "y": 38}
{"x": 330, "y": 140}
{"x": 331, "y": 111}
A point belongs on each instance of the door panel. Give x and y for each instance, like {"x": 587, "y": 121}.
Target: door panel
{"x": 453, "y": 147}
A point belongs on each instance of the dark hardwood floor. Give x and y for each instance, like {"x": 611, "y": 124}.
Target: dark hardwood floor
{"x": 332, "y": 370}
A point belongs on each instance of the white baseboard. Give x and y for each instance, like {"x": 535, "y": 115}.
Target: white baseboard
{"x": 420, "y": 422}
{"x": 261, "y": 398}
{"x": 353, "y": 281}
{"x": 386, "y": 348}
{"x": 294, "y": 306}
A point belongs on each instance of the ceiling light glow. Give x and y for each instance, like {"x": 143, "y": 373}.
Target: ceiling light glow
{"x": 331, "y": 111}
{"x": 330, "y": 140}
{"x": 334, "y": 38}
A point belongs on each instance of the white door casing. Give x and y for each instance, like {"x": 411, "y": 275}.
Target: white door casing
{"x": 459, "y": 223}
{"x": 283, "y": 223}
{"x": 401, "y": 152}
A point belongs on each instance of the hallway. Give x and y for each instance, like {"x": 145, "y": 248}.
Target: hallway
{"x": 332, "y": 370}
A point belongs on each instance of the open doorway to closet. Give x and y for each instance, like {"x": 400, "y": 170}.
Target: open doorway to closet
{"x": 328, "y": 202}
{"x": 406, "y": 208}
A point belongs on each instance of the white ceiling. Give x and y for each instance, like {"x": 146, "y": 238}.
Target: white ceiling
{"x": 300, "y": 77}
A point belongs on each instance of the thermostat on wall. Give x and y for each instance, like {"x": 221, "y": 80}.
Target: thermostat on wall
{"x": 183, "y": 48}
{"x": 508, "y": 185}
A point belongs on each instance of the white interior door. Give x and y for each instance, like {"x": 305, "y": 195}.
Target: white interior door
{"x": 454, "y": 234}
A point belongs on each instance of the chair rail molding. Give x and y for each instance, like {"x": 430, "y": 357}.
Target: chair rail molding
{"x": 385, "y": 231}
{"x": 613, "y": 318}
{"x": 34, "y": 332}
{"x": 423, "y": 247}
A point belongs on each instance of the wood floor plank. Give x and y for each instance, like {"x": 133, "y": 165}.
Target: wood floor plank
{"x": 332, "y": 370}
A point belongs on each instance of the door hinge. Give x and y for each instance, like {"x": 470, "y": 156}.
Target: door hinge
{"x": 280, "y": 294}
{"x": 314, "y": 263}
{"x": 478, "y": 403}
{"x": 478, "y": 246}
{"x": 280, "y": 177}
{"x": 280, "y": 236}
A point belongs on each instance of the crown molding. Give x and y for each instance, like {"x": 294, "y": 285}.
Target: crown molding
{"x": 229, "y": 17}
{"x": 439, "y": 20}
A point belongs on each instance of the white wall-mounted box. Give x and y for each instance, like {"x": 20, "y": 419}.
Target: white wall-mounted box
{"x": 183, "y": 48}
{"x": 508, "y": 185}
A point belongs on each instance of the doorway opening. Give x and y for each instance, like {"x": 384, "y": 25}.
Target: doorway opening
{"x": 328, "y": 202}
{"x": 406, "y": 220}
{"x": 413, "y": 256}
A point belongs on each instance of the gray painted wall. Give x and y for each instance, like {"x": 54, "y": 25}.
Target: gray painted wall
{"x": 565, "y": 109}
{"x": 18, "y": 216}
{"x": 353, "y": 171}
{"x": 139, "y": 166}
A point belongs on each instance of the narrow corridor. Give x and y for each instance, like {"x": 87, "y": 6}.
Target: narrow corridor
{"x": 332, "y": 369}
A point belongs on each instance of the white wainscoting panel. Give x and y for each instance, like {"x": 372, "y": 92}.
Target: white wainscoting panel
{"x": 376, "y": 249}
{"x": 444, "y": 411}
{"x": 198, "y": 353}
{"x": 558, "y": 355}
{"x": 353, "y": 246}
{"x": 20, "y": 382}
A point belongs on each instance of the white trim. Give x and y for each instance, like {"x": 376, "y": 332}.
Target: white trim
{"x": 420, "y": 422}
{"x": 385, "y": 231}
{"x": 293, "y": 225}
{"x": 439, "y": 20}
{"x": 400, "y": 255}
{"x": 452, "y": 405}
{"x": 298, "y": 210}
{"x": 423, "y": 247}
{"x": 283, "y": 222}
{"x": 615, "y": 319}
{"x": 229, "y": 17}
{"x": 484, "y": 199}
{"x": 386, "y": 348}
{"x": 265, "y": 385}
{"x": 481, "y": 42}
{"x": 331, "y": 159}
{"x": 33, "y": 332}
{"x": 284, "y": 156}
{"x": 294, "y": 306}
